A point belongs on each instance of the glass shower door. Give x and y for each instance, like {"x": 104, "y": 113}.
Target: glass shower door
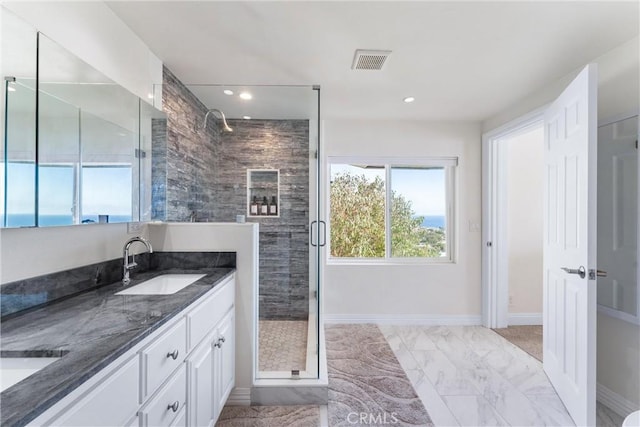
{"x": 266, "y": 169}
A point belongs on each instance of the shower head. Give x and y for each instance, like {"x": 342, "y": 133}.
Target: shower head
{"x": 226, "y": 127}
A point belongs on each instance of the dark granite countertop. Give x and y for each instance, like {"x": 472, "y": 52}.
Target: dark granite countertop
{"x": 95, "y": 328}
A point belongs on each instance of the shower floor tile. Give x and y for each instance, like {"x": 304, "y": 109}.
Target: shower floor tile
{"x": 283, "y": 345}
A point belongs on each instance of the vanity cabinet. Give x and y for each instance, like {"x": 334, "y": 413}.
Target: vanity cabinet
{"x": 180, "y": 375}
{"x": 211, "y": 373}
{"x": 113, "y": 401}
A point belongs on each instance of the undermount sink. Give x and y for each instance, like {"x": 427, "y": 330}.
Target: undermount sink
{"x": 165, "y": 284}
{"x": 14, "y": 369}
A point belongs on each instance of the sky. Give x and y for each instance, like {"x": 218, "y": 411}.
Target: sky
{"x": 425, "y": 188}
{"x": 104, "y": 190}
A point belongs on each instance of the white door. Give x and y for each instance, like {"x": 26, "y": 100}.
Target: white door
{"x": 570, "y": 246}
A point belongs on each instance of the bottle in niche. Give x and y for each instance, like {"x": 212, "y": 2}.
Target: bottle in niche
{"x": 254, "y": 206}
{"x": 264, "y": 209}
{"x": 273, "y": 207}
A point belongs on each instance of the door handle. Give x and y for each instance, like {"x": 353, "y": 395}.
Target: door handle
{"x": 311, "y": 233}
{"x": 324, "y": 233}
{"x": 580, "y": 271}
{"x": 596, "y": 273}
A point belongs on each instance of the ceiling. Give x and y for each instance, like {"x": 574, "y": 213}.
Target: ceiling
{"x": 460, "y": 60}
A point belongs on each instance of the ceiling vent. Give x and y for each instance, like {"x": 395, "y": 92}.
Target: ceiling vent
{"x": 369, "y": 59}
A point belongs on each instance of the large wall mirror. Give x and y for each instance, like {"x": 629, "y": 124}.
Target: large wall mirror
{"x": 77, "y": 146}
{"x": 618, "y": 219}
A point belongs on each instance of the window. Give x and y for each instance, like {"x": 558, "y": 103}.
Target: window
{"x": 106, "y": 193}
{"x": 391, "y": 209}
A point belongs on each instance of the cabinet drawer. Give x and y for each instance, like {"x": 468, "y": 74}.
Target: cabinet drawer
{"x": 205, "y": 316}
{"x": 162, "y": 357}
{"x": 168, "y": 404}
{"x": 114, "y": 401}
{"x": 181, "y": 418}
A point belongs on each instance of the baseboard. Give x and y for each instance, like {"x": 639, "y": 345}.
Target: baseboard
{"x": 239, "y": 397}
{"x": 396, "y": 319}
{"x": 612, "y": 400}
{"x": 523, "y": 319}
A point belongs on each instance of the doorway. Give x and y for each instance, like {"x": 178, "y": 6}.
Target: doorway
{"x": 519, "y": 201}
{"x": 512, "y": 223}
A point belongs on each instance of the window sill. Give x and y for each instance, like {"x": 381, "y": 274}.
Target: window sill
{"x": 389, "y": 261}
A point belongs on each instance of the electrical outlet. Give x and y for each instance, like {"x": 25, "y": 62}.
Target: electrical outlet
{"x": 134, "y": 227}
{"x": 474, "y": 226}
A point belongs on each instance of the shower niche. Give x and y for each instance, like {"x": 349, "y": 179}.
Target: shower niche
{"x": 263, "y": 193}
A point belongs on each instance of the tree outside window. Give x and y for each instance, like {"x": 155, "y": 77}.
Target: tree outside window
{"x": 387, "y": 211}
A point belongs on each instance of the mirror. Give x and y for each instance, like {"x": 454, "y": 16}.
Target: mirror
{"x": 86, "y": 157}
{"x": 618, "y": 218}
{"x": 17, "y": 150}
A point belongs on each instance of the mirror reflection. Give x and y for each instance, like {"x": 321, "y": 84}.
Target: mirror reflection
{"x": 618, "y": 215}
{"x": 17, "y": 150}
{"x": 86, "y": 157}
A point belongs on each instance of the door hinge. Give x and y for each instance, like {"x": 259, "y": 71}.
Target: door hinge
{"x": 140, "y": 154}
{"x": 636, "y": 144}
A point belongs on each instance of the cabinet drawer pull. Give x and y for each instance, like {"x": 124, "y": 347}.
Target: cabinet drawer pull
{"x": 222, "y": 338}
{"x": 219, "y": 343}
{"x": 174, "y": 407}
{"x": 173, "y": 355}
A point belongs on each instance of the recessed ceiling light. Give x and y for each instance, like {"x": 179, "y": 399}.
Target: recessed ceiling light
{"x": 246, "y": 95}
{"x": 409, "y": 99}
{"x": 246, "y": 117}
{"x": 228, "y": 92}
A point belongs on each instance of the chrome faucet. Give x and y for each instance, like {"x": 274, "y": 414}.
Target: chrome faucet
{"x": 125, "y": 254}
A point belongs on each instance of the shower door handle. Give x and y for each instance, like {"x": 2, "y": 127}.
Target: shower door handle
{"x": 324, "y": 234}
{"x": 311, "y": 233}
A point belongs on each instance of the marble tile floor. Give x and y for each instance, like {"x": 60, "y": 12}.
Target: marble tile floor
{"x": 464, "y": 376}
{"x": 283, "y": 345}
{"x": 471, "y": 376}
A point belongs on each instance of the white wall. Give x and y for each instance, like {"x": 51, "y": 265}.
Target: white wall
{"x": 618, "y": 350}
{"x": 619, "y": 357}
{"x": 31, "y": 252}
{"x": 223, "y": 237}
{"x": 618, "y": 87}
{"x": 524, "y": 224}
{"x": 430, "y": 293}
{"x": 95, "y": 34}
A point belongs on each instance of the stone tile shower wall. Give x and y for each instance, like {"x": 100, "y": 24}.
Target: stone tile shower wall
{"x": 206, "y": 180}
{"x": 284, "y": 250}
{"x": 190, "y": 155}
{"x": 159, "y": 169}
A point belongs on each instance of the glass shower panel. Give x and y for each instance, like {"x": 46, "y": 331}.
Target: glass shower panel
{"x": 267, "y": 169}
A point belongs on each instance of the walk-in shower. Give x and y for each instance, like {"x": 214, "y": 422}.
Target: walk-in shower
{"x": 266, "y": 170}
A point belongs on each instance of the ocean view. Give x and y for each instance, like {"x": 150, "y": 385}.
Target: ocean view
{"x": 436, "y": 221}
{"x": 28, "y": 220}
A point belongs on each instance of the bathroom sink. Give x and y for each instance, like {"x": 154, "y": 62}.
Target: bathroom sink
{"x": 15, "y": 369}
{"x": 165, "y": 284}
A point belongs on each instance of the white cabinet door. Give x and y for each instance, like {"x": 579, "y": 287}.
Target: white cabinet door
{"x": 200, "y": 385}
{"x": 224, "y": 361}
